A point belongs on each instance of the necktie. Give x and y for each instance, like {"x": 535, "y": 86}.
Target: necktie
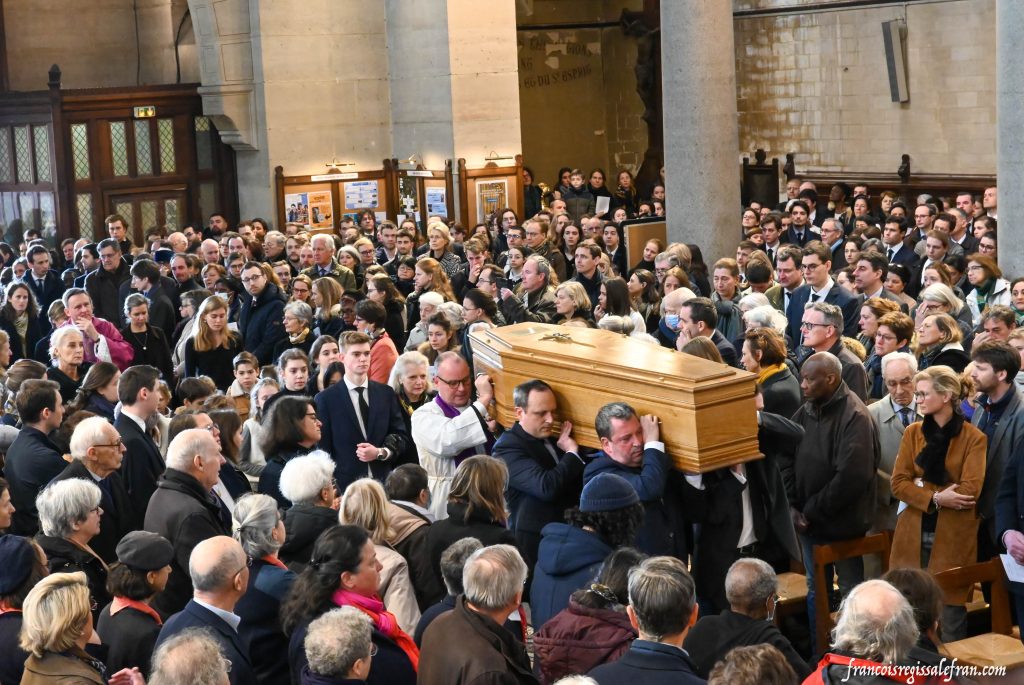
{"x": 891, "y": 253}
{"x": 323, "y": 271}
{"x": 39, "y": 283}
{"x": 771, "y": 255}
{"x": 815, "y": 297}
{"x": 905, "y": 416}
{"x": 364, "y": 411}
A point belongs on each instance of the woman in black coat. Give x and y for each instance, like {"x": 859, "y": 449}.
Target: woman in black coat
{"x": 129, "y": 626}
{"x": 212, "y": 349}
{"x": 292, "y": 430}
{"x": 150, "y": 343}
{"x": 938, "y": 339}
{"x": 20, "y": 313}
{"x": 308, "y": 483}
{"x": 380, "y": 288}
{"x": 476, "y": 508}
{"x": 764, "y": 353}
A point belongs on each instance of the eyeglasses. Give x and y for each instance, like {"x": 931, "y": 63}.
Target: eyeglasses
{"x": 975, "y": 267}
{"x": 312, "y": 415}
{"x": 252, "y": 279}
{"x": 455, "y": 384}
{"x": 213, "y": 428}
{"x": 116, "y": 443}
{"x": 807, "y": 325}
{"x": 882, "y": 336}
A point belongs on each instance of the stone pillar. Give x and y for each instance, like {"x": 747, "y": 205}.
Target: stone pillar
{"x": 701, "y": 139}
{"x": 1010, "y": 134}
{"x": 454, "y": 78}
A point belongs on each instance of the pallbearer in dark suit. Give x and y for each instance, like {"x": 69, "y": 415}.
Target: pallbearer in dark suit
{"x": 98, "y": 451}
{"x": 545, "y": 475}
{"x": 363, "y": 429}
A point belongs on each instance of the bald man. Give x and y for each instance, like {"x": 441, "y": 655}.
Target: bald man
{"x": 831, "y": 479}
{"x": 219, "y": 570}
{"x": 183, "y": 511}
{"x": 210, "y": 251}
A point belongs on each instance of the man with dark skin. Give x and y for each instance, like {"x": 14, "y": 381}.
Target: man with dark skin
{"x": 831, "y": 479}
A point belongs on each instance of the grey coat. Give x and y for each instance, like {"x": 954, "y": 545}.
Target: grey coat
{"x": 890, "y": 435}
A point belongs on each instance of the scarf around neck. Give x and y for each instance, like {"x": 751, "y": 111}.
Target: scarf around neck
{"x": 932, "y": 457}
{"x": 383, "y": 620}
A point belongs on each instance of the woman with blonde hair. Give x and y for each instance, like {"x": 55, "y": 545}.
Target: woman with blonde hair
{"x": 365, "y": 504}
{"x": 213, "y": 346}
{"x": 439, "y": 242}
{"x": 57, "y": 626}
{"x": 572, "y": 303}
{"x": 476, "y": 507}
{"x": 211, "y": 274}
{"x": 937, "y": 477}
{"x": 326, "y": 296}
{"x": 938, "y": 343}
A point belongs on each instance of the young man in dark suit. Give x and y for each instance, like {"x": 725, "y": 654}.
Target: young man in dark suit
{"x": 363, "y": 429}
{"x": 143, "y": 465}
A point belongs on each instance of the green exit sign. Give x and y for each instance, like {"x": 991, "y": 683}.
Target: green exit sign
{"x": 146, "y": 112}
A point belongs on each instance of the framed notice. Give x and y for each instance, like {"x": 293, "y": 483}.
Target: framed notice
{"x": 321, "y": 209}
{"x": 362, "y": 195}
{"x": 491, "y": 195}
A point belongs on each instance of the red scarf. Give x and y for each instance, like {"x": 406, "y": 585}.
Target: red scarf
{"x": 274, "y": 561}
{"x": 6, "y": 608}
{"x": 383, "y": 620}
{"x": 125, "y": 603}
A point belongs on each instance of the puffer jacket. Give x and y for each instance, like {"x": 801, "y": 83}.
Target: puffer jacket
{"x": 579, "y": 202}
{"x": 567, "y": 560}
{"x": 578, "y": 639}
{"x": 304, "y": 523}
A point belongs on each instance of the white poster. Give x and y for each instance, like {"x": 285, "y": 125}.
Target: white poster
{"x": 361, "y": 195}
{"x": 437, "y": 204}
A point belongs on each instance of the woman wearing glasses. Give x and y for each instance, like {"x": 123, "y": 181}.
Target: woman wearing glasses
{"x": 69, "y": 518}
{"x": 292, "y": 430}
{"x": 937, "y": 478}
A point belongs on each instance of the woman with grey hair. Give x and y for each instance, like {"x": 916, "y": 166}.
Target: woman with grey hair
{"x": 411, "y": 381}
{"x": 298, "y": 324}
{"x": 764, "y": 316}
{"x": 259, "y": 528}
{"x": 69, "y": 518}
{"x": 338, "y": 647}
{"x": 308, "y": 483}
{"x": 252, "y": 430}
{"x": 68, "y": 366}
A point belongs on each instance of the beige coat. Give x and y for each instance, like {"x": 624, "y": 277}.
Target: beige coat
{"x": 956, "y": 531}
{"x": 396, "y": 588}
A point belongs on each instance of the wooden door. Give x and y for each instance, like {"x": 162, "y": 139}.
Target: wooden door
{"x": 148, "y": 209}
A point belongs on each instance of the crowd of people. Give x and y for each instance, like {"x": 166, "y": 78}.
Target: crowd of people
{"x": 264, "y": 456}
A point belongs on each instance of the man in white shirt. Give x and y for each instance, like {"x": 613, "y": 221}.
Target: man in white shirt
{"x": 452, "y": 428}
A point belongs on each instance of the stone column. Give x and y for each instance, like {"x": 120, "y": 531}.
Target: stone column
{"x": 1010, "y": 133}
{"x": 701, "y": 139}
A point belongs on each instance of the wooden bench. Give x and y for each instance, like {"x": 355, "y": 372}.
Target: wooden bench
{"x": 998, "y": 647}
{"x": 879, "y": 543}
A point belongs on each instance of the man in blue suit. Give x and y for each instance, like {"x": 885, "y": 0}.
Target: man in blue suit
{"x": 44, "y": 282}
{"x": 820, "y": 287}
{"x": 799, "y": 232}
{"x": 220, "y": 576}
{"x": 363, "y": 429}
{"x": 663, "y": 608}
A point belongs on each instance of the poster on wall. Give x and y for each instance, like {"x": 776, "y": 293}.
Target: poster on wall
{"x": 437, "y": 202}
{"x": 321, "y": 209}
{"x": 297, "y": 208}
{"x": 490, "y": 197}
{"x": 362, "y": 195}
{"x": 408, "y": 197}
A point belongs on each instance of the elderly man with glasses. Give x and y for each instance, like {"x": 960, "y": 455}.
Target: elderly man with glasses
{"x": 97, "y": 452}
{"x": 452, "y": 428}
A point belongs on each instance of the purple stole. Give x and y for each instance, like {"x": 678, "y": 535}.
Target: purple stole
{"x": 451, "y": 412}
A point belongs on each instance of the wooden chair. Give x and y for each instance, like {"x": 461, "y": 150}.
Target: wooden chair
{"x": 879, "y": 543}
{"x": 998, "y": 647}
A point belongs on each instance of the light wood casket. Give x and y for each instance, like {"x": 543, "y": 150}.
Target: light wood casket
{"x": 707, "y": 411}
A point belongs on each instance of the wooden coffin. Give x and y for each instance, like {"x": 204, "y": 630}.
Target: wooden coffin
{"x": 707, "y": 411}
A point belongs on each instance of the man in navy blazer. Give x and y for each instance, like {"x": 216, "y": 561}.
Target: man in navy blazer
{"x": 45, "y": 283}
{"x": 820, "y": 287}
{"x": 545, "y": 476}
{"x": 662, "y": 607}
{"x": 32, "y": 459}
{"x": 220, "y": 576}
{"x": 363, "y": 429}
{"x": 143, "y": 464}
{"x": 799, "y": 232}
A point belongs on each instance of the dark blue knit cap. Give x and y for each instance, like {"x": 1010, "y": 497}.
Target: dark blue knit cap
{"x": 607, "y": 492}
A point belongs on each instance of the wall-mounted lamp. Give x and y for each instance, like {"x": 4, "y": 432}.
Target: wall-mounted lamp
{"x": 494, "y": 157}
{"x": 334, "y": 166}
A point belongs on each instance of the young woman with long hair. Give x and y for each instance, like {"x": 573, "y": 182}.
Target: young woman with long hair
{"x": 212, "y": 349}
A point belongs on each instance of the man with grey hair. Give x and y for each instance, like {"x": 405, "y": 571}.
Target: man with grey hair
{"x": 469, "y": 643}
{"x": 537, "y": 302}
{"x": 325, "y": 265}
{"x": 662, "y": 608}
{"x": 891, "y": 416}
{"x": 875, "y": 628}
{"x": 751, "y": 588}
{"x": 219, "y": 569}
{"x": 192, "y": 656}
{"x": 338, "y": 647}
{"x": 183, "y": 510}
{"x": 632, "y": 448}
{"x": 831, "y": 477}
{"x": 274, "y": 246}
{"x": 97, "y": 452}
{"x": 822, "y": 330}
{"x": 453, "y": 560}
